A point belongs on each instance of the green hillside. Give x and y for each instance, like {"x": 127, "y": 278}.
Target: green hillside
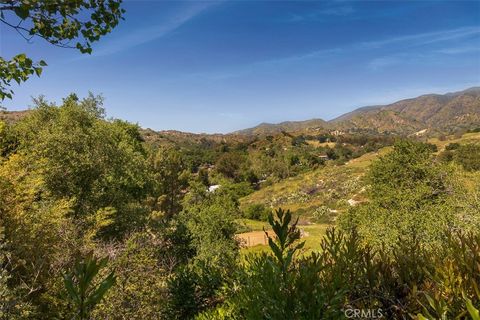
{"x": 319, "y": 196}
{"x": 332, "y": 185}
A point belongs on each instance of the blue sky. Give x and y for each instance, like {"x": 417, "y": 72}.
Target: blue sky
{"x": 225, "y": 65}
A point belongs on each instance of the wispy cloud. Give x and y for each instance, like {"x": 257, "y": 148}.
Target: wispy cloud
{"x": 449, "y": 38}
{"x": 300, "y": 57}
{"x": 144, "y": 35}
{"x": 338, "y": 11}
{"x": 382, "y": 62}
{"x": 425, "y": 38}
{"x": 402, "y": 46}
{"x": 460, "y": 50}
{"x": 269, "y": 64}
{"x": 321, "y": 14}
{"x": 406, "y": 41}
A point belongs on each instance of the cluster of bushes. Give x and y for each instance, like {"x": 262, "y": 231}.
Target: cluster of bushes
{"x": 76, "y": 188}
{"x": 407, "y": 280}
{"x": 467, "y": 155}
{"x": 411, "y": 193}
{"x": 278, "y": 157}
{"x": 286, "y": 155}
{"x": 278, "y": 161}
{"x": 257, "y": 212}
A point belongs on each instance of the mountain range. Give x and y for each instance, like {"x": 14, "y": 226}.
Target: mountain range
{"x": 432, "y": 112}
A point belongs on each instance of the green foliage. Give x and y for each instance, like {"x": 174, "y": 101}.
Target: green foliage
{"x": 82, "y": 157}
{"x": 347, "y": 274}
{"x": 12, "y": 305}
{"x": 468, "y": 156}
{"x": 210, "y": 227}
{"x": 235, "y": 191}
{"x": 230, "y": 165}
{"x": 36, "y": 230}
{"x": 72, "y": 181}
{"x": 7, "y": 140}
{"x": 474, "y": 312}
{"x": 193, "y": 289}
{"x": 407, "y": 166}
{"x": 58, "y": 23}
{"x": 257, "y": 212}
{"x": 184, "y": 299}
{"x": 17, "y": 69}
{"x": 321, "y": 213}
{"x": 284, "y": 285}
{"x": 410, "y": 197}
{"x": 452, "y": 146}
{"x": 283, "y": 248}
{"x": 82, "y": 291}
{"x": 203, "y": 177}
{"x": 142, "y": 263}
{"x": 454, "y": 278}
{"x": 298, "y": 141}
{"x": 171, "y": 177}
{"x": 284, "y": 155}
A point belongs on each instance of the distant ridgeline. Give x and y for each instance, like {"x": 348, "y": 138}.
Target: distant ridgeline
{"x": 437, "y": 113}
{"x": 428, "y": 115}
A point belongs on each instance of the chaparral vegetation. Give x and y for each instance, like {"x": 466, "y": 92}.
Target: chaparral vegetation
{"x": 103, "y": 219}
{"x": 99, "y": 220}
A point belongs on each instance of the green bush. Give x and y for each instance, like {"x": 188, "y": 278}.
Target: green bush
{"x": 452, "y": 146}
{"x": 321, "y": 214}
{"x": 410, "y": 194}
{"x": 468, "y": 156}
{"x": 83, "y": 290}
{"x": 257, "y": 212}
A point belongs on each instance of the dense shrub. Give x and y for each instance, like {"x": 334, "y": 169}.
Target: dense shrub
{"x": 399, "y": 282}
{"x": 256, "y": 212}
{"x": 230, "y": 165}
{"x": 321, "y": 214}
{"x": 410, "y": 194}
{"x": 468, "y": 156}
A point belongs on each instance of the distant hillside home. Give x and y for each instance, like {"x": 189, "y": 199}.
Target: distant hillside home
{"x": 213, "y": 188}
{"x": 323, "y": 157}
